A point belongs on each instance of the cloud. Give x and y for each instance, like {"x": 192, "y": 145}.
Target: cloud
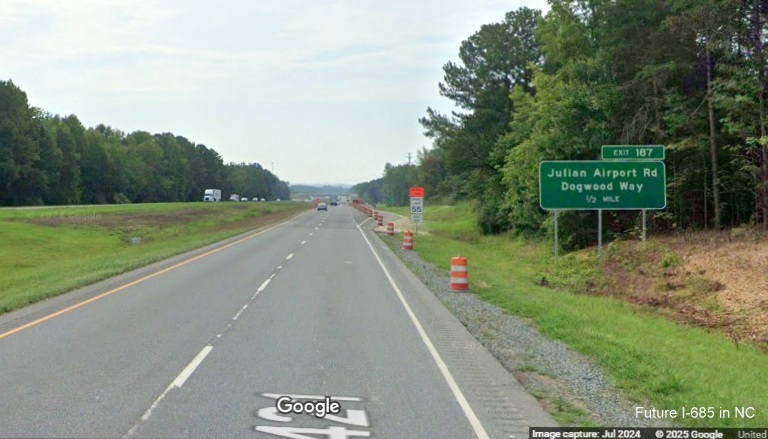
{"x": 193, "y": 65}
{"x": 56, "y": 30}
{"x": 148, "y": 46}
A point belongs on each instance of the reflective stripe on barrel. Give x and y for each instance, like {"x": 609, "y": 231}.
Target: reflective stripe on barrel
{"x": 459, "y": 274}
{"x": 408, "y": 240}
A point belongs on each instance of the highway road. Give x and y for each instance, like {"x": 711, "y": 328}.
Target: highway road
{"x": 206, "y": 344}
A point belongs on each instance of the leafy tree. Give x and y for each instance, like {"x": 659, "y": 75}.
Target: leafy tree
{"x": 69, "y": 185}
{"x": 396, "y": 184}
{"x": 17, "y": 150}
{"x": 431, "y": 174}
{"x": 568, "y": 118}
{"x": 43, "y": 182}
{"x": 47, "y": 159}
{"x": 197, "y": 173}
{"x": 495, "y": 59}
{"x": 174, "y": 168}
{"x": 215, "y": 173}
{"x": 369, "y": 191}
{"x": 96, "y": 170}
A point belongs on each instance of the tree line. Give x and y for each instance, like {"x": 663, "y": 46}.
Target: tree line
{"x": 52, "y": 160}
{"x": 690, "y": 75}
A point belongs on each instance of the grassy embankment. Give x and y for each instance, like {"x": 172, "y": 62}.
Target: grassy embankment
{"x": 655, "y": 360}
{"x": 46, "y": 252}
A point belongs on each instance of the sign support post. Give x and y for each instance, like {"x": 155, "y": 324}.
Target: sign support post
{"x": 644, "y": 225}
{"x": 599, "y": 233}
{"x": 557, "y": 241}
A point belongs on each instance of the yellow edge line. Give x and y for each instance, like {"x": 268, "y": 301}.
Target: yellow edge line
{"x": 137, "y": 281}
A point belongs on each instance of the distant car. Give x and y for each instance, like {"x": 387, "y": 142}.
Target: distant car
{"x": 263, "y": 199}
{"x": 334, "y": 203}
{"x": 255, "y": 198}
{"x": 244, "y": 199}
{"x": 322, "y": 206}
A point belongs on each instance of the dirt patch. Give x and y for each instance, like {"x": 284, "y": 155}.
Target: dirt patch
{"x": 710, "y": 279}
{"x": 736, "y": 274}
{"x": 401, "y": 223}
{"x": 140, "y": 227}
{"x": 124, "y": 220}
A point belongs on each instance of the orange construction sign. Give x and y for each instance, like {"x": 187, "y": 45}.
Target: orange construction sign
{"x": 417, "y": 192}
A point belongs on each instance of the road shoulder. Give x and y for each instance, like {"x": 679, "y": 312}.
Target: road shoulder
{"x": 501, "y": 403}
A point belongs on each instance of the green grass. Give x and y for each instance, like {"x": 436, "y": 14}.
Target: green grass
{"x": 656, "y": 361}
{"x": 46, "y": 252}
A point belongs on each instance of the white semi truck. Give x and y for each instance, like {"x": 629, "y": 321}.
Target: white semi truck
{"x": 212, "y": 195}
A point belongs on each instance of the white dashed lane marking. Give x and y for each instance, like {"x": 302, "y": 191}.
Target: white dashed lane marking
{"x": 177, "y": 383}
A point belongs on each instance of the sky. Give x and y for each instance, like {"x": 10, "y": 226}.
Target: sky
{"x": 319, "y": 92}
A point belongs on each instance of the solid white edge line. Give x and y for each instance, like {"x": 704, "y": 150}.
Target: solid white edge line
{"x": 457, "y": 393}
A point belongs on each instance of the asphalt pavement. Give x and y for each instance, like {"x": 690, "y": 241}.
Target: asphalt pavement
{"x": 315, "y": 309}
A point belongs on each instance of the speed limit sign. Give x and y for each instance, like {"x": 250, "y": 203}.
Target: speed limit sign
{"x": 417, "y": 210}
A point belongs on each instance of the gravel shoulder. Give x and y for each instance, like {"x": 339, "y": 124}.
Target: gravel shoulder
{"x": 573, "y": 389}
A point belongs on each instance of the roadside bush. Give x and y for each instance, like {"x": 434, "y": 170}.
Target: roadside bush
{"x": 577, "y": 228}
{"x": 120, "y": 198}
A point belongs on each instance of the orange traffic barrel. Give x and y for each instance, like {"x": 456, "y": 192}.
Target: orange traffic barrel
{"x": 459, "y": 274}
{"x": 390, "y": 228}
{"x": 381, "y": 219}
{"x": 407, "y": 240}
{"x": 375, "y": 215}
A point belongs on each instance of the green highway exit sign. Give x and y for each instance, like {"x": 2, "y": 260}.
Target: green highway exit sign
{"x": 632, "y": 152}
{"x": 592, "y": 185}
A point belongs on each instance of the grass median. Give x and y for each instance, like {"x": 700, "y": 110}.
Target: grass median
{"x": 47, "y": 252}
{"x": 657, "y": 362}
